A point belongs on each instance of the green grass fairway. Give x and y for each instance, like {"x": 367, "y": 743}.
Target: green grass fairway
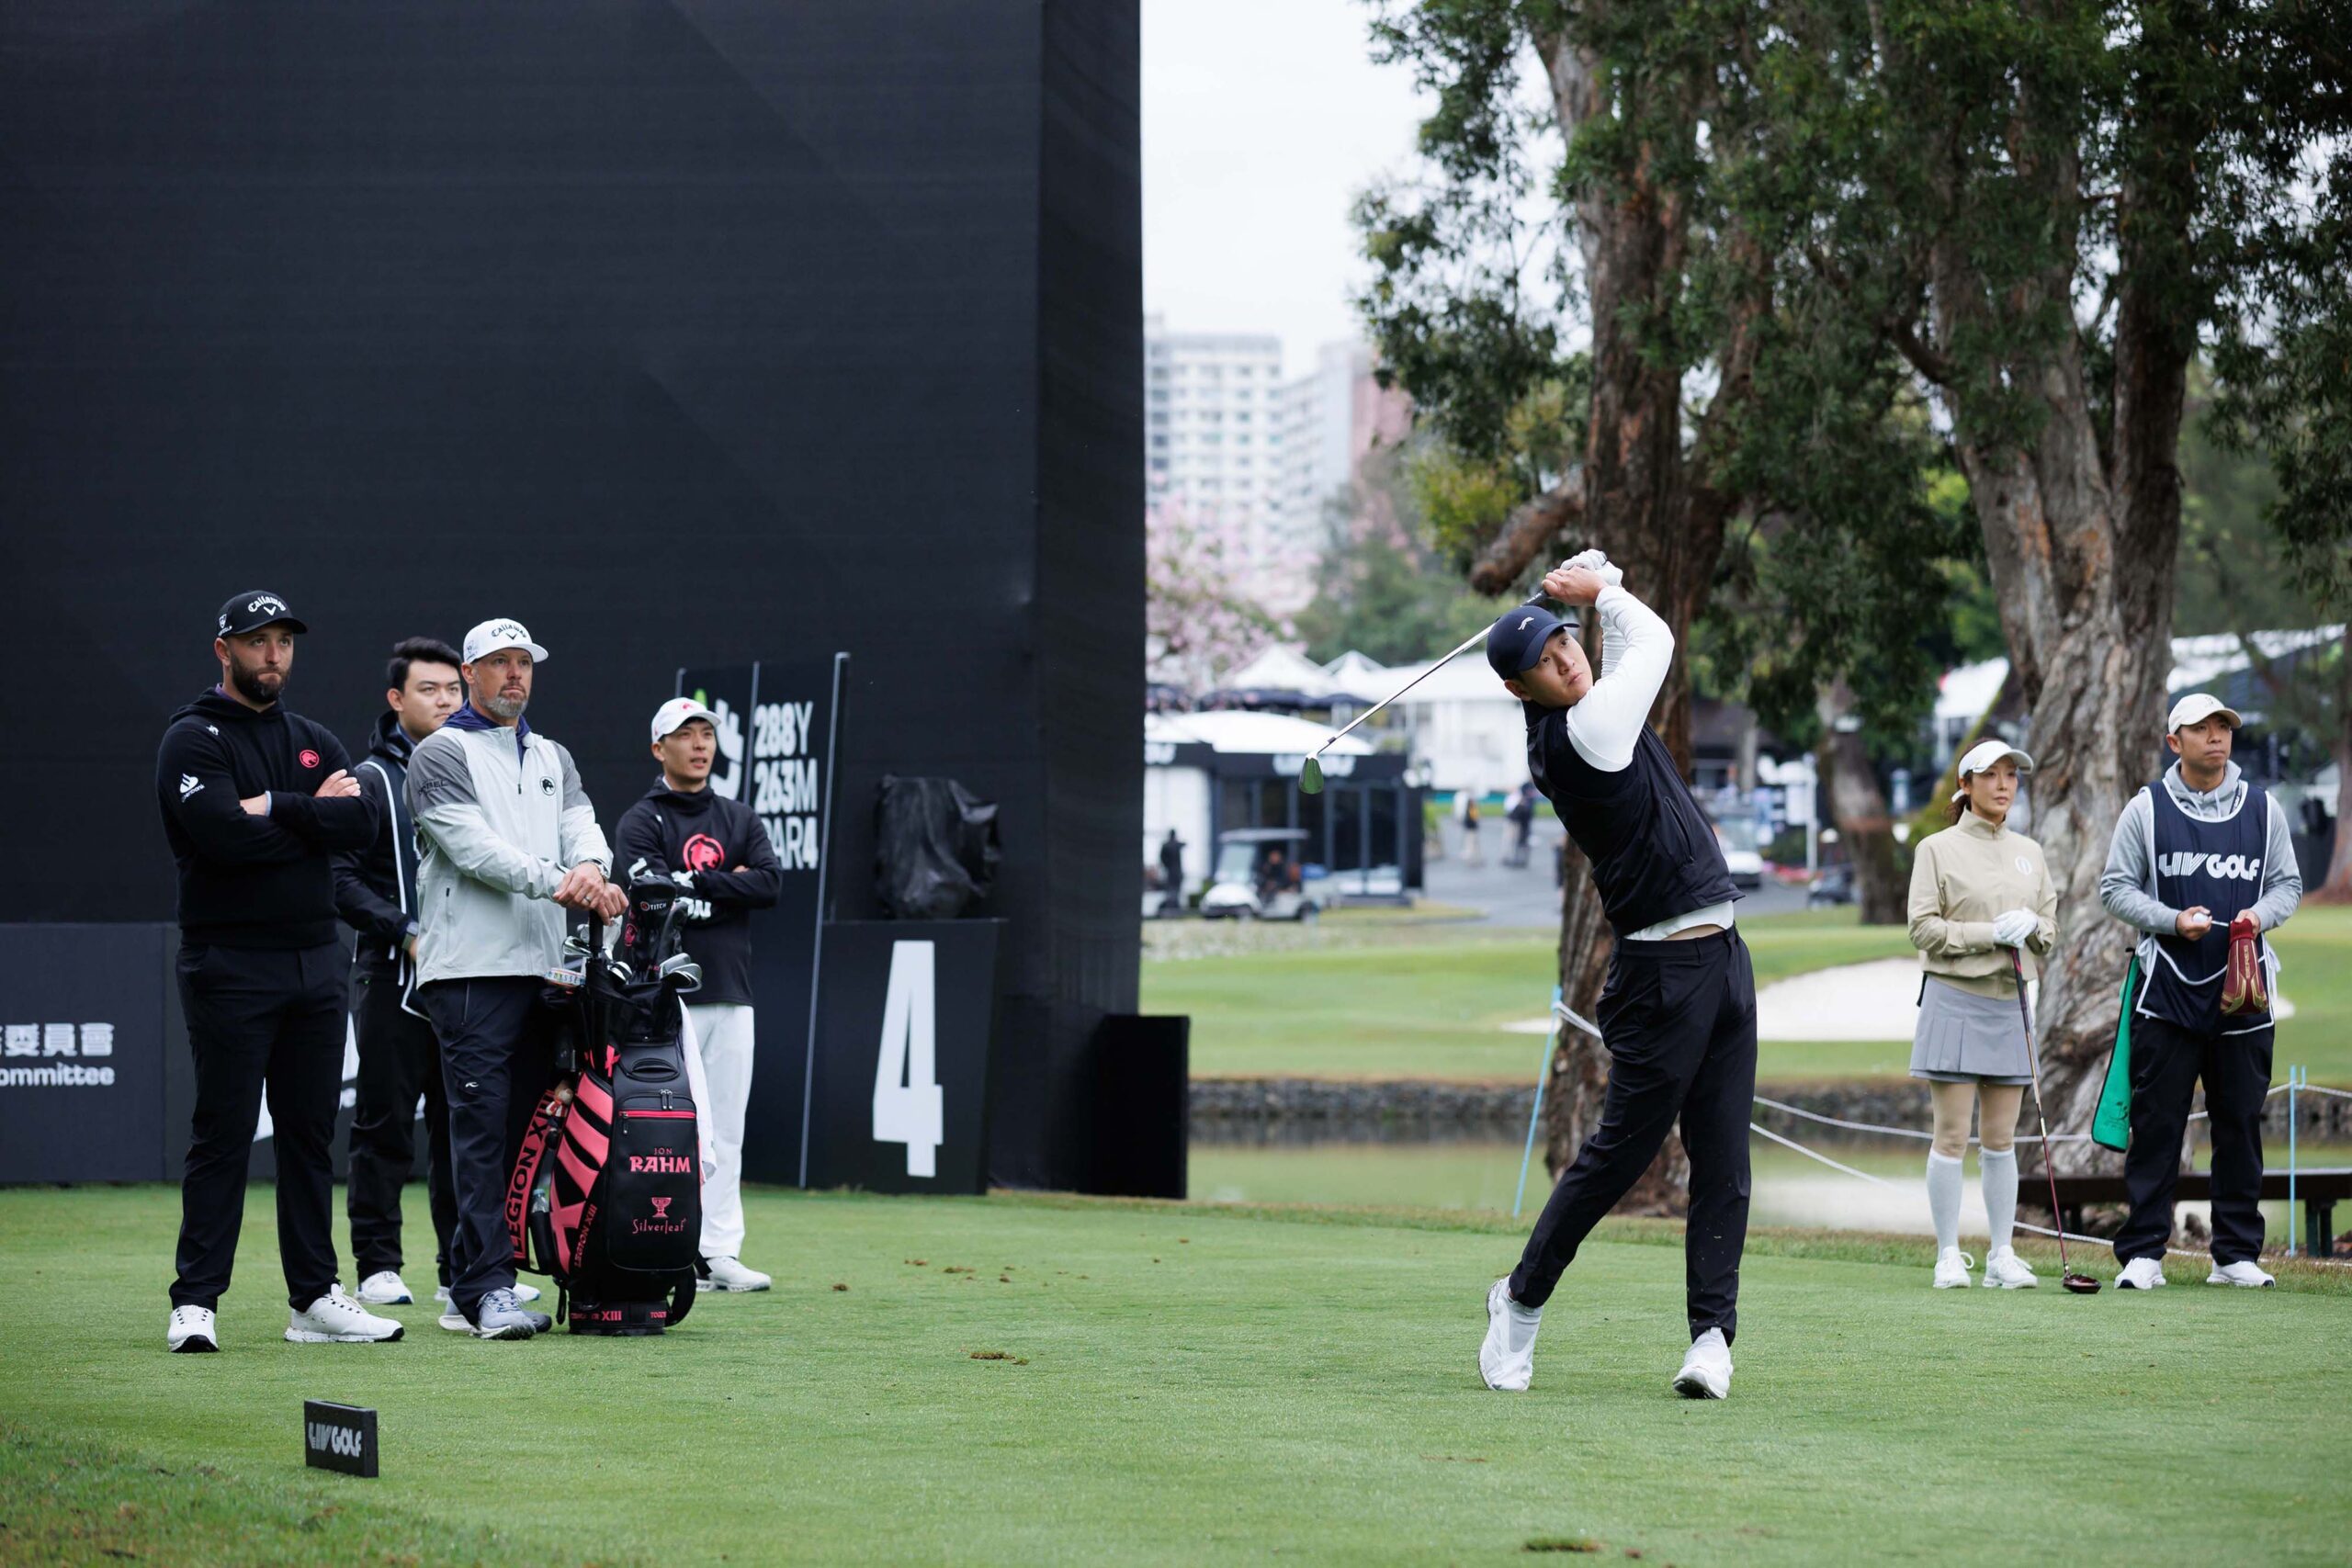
{"x": 1433, "y": 1007}
{"x": 1430, "y": 1002}
{"x": 1182, "y": 1384}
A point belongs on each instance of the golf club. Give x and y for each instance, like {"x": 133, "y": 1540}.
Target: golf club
{"x": 2080, "y": 1284}
{"x": 1310, "y": 775}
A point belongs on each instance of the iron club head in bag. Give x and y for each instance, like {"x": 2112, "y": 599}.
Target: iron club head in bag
{"x": 1310, "y": 774}
{"x": 2079, "y": 1284}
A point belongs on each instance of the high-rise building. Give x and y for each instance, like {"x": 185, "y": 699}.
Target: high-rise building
{"x": 1254, "y": 457}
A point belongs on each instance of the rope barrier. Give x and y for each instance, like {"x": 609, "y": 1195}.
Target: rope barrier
{"x": 1561, "y": 1011}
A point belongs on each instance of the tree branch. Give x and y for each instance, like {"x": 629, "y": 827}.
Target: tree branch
{"x": 1531, "y": 526}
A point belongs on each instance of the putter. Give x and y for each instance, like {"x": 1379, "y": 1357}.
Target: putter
{"x": 1310, "y": 774}
{"x": 2079, "y": 1284}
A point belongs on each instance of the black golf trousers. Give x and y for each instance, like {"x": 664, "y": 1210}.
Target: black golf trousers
{"x": 2166, "y": 1062}
{"x": 497, "y": 1058}
{"x": 1678, "y": 1018}
{"x": 258, "y": 1016}
{"x": 399, "y": 1060}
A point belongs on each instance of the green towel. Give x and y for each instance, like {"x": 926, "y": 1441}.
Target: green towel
{"x": 2111, "y": 1127}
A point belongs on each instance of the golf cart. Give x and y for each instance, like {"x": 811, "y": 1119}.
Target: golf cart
{"x": 1257, "y": 876}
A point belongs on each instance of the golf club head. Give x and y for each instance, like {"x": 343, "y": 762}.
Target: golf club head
{"x": 1310, "y": 777}
{"x": 2080, "y": 1284}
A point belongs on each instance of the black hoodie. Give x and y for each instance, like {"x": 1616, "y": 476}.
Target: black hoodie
{"x": 249, "y": 881}
{"x": 374, "y": 888}
{"x": 708, "y": 835}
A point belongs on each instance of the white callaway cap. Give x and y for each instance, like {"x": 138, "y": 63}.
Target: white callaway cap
{"x": 2197, "y": 706}
{"x": 491, "y": 635}
{"x": 1983, "y": 754}
{"x": 676, "y": 711}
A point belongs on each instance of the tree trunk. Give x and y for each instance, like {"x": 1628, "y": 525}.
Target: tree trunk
{"x": 2083, "y": 543}
{"x": 1858, "y": 809}
{"x": 2335, "y": 888}
{"x": 1640, "y": 504}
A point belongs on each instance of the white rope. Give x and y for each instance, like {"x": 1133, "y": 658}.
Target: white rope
{"x": 1792, "y": 1144}
{"x": 2314, "y": 1089}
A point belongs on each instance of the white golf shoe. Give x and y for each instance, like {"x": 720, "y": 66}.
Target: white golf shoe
{"x": 335, "y": 1319}
{"x": 729, "y": 1274}
{"x": 1951, "y": 1270}
{"x": 1706, "y": 1371}
{"x": 1506, "y": 1359}
{"x": 385, "y": 1288}
{"x": 522, "y": 1293}
{"x": 2244, "y": 1272}
{"x": 191, "y": 1331}
{"x": 2005, "y": 1270}
{"x": 2141, "y": 1274}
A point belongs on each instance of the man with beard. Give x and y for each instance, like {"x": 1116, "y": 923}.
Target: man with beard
{"x": 684, "y": 831}
{"x": 255, "y": 802}
{"x": 509, "y": 843}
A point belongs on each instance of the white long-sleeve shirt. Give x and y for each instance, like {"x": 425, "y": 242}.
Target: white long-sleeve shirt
{"x": 1637, "y": 651}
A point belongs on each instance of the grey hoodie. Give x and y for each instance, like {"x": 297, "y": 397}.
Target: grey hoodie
{"x": 2128, "y": 886}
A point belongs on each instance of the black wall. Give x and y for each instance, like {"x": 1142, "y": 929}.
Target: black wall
{"x": 689, "y": 334}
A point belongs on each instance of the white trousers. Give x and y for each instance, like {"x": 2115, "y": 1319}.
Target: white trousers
{"x": 718, "y": 1038}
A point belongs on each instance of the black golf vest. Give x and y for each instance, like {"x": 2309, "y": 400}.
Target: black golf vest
{"x": 2218, "y": 866}
{"x": 1653, "y": 855}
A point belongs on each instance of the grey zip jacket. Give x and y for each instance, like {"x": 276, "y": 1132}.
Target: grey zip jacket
{"x": 500, "y": 818}
{"x": 2128, "y": 888}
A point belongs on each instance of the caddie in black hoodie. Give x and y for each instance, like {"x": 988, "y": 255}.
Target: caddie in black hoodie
{"x": 399, "y": 1059}
{"x": 255, "y": 800}
{"x": 684, "y": 831}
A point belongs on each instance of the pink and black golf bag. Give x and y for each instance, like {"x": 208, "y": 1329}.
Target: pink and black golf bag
{"x": 606, "y": 1193}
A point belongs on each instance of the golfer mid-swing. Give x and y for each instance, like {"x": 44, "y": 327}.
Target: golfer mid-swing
{"x": 1678, "y": 1013}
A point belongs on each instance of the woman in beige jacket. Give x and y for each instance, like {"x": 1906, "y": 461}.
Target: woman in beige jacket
{"x": 1978, "y": 891}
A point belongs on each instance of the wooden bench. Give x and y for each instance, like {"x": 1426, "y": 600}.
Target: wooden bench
{"x": 2317, "y": 1190}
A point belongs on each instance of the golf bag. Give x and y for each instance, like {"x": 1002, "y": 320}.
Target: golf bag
{"x": 614, "y": 1217}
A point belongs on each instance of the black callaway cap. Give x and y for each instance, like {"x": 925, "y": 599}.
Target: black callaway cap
{"x": 250, "y": 611}
{"x": 1515, "y": 640}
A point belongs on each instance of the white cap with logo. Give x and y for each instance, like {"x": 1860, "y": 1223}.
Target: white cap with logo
{"x": 1983, "y": 755}
{"x": 2197, "y": 707}
{"x": 491, "y": 635}
{"x": 677, "y": 711}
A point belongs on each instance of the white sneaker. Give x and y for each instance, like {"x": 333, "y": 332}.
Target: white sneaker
{"x": 522, "y": 1293}
{"x": 1507, "y": 1360}
{"x": 454, "y": 1321}
{"x": 2141, "y": 1274}
{"x": 2246, "y": 1273}
{"x": 385, "y": 1288}
{"x": 335, "y": 1319}
{"x": 1952, "y": 1268}
{"x": 2006, "y": 1271}
{"x": 1706, "y": 1371}
{"x": 191, "y": 1331}
{"x": 729, "y": 1274}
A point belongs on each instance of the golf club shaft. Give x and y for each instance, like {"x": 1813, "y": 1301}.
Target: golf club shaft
{"x": 1462, "y": 648}
{"x": 2041, "y": 1115}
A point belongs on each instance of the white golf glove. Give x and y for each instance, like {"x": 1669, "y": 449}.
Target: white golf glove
{"x": 2012, "y": 927}
{"x": 1593, "y": 560}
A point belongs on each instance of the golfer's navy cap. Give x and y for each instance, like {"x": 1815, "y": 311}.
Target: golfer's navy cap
{"x": 1515, "y": 640}
{"x": 250, "y": 611}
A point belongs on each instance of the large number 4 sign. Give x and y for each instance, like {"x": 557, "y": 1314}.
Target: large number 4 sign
{"x": 906, "y": 1105}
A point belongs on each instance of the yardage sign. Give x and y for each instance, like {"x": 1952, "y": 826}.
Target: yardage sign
{"x": 777, "y": 721}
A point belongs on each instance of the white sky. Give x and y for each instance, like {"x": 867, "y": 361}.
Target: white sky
{"x": 1262, "y": 120}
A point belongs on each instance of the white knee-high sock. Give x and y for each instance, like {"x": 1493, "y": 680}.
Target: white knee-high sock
{"x": 1943, "y": 1199}
{"x": 2000, "y": 1169}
